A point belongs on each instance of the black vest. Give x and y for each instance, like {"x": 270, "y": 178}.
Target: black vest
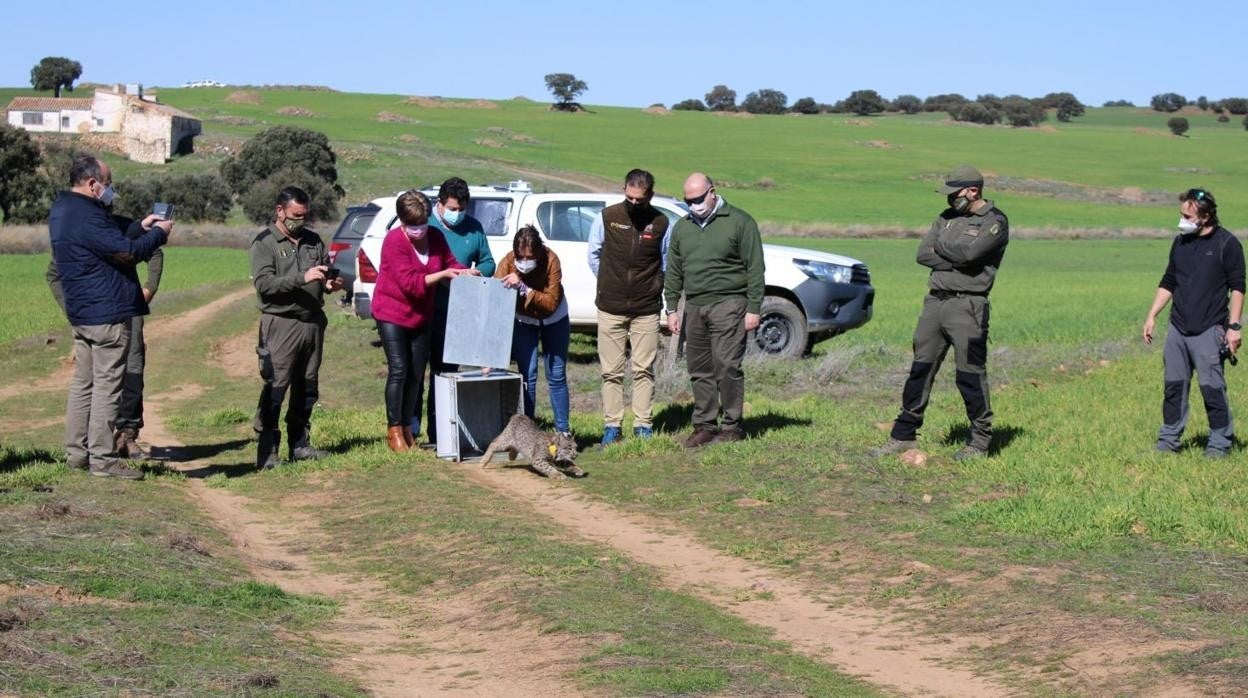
{"x": 630, "y": 268}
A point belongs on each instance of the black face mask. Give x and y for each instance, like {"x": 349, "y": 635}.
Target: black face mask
{"x": 635, "y": 208}
{"x": 960, "y": 204}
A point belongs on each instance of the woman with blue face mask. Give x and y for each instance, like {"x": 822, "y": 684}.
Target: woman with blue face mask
{"x": 541, "y": 318}
{"x": 466, "y": 237}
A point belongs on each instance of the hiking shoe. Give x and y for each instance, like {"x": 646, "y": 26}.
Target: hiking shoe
{"x": 728, "y": 436}
{"x": 128, "y": 445}
{"x": 969, "y": 452}
{"x": 1215, "y": 453}
{"x": 893, "y": 446}
{"x": 299, "y": 453}
{"x": 76, "y": 465}
{"x": 612, "y": 434}
{"x": 271, "y": 462}
{"x": 1162, "y": 447}
{"x": 643, "y": 432}
{"x": 124, "y": 472}
{"x": 701, "y": 436}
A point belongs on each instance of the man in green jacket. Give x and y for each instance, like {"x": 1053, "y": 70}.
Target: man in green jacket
{"x": 963, "y": 249}
{"x": 715, "y": 258}
{"x": 288, "y": 268}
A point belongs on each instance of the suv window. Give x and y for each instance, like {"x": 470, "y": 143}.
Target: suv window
{"x": 492, "y": 213}
{"x": 361, "y": 223}
{"x": 568, "y": 220}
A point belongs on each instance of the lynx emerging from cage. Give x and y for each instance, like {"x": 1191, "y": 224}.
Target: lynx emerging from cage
{"x": 521, "y": 436}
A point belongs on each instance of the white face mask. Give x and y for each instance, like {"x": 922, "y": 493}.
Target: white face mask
{"x": 524, "y": 266}
{"x": 416, "y": 232}
{"x": 701, "y": 210}
{"x": 1188, "y": 227}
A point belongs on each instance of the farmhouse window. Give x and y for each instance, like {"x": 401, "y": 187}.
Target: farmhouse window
{"x": 32, "y": 118}
{"x": 64, "y": 122}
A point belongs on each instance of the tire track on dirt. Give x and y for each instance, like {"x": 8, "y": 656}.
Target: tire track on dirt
{"x": 154, "y": 331}
{"x": 393, "y": 645}
{"x": 864, "y": 642}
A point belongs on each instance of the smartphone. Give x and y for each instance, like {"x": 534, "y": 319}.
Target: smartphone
{"x": 331, "y": 273}
{"x": 163, "y": 211}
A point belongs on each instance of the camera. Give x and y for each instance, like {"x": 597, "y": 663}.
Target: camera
{"x": 331, "y": 273}
{"x": 163, "y": 211}
{"x": 1224, "y": 353}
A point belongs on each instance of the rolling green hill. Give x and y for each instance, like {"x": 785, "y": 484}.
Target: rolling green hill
{"x": 1114, "y": 168}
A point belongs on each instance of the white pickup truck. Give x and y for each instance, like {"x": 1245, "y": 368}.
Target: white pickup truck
{"x": 810, "y": 295}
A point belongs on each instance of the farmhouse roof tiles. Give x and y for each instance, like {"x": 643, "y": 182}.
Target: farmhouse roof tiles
{"x": 49, "y": 104}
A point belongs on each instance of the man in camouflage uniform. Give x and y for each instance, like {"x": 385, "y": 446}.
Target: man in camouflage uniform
{"x": 963, "y": 249}
{"x": 288, "y": 269}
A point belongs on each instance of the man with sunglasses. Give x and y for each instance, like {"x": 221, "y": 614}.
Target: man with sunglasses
{"x": 715, "y": 258}
{"x": 1206, "y": 262}
{"x": 963, "y": 249}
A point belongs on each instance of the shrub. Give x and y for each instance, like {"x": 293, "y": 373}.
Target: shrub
{"x": 765, "y": 101}
{"x": 196, "y": 197}
{"x": 1235, "y": 105}
{"x": 1178, "y": 125}
{"x": 864, "y": 102}
{"x": 689, "y": 105}
{"x": 976, "y": 113}
{"x": 1119, "y": 103}
{"x": 24, "y": 189}
{"x": 1245, "y": 122}
{"x": 1223, "y": 118}
{"x": 947, "y": 102}
{"x": 1202, "y": 103}
{"x": 908, "y": 104}
{"x": 806, "y": 105}
{"x": 721, "y": 98}
{"x": 259, "y": 202}
{"x": 1020, "y": 111}
{"x": 1168, "y": 102}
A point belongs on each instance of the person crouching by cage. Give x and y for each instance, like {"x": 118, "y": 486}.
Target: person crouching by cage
{"x": 414, "y": 260}
{"x": 541, "y": 317}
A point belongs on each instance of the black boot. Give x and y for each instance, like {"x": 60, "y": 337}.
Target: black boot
{"x": 266, "y": 450}
{"x": 301, "y": 447}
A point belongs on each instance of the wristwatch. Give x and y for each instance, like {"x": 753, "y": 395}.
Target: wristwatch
{"x": 1234, "y": 326}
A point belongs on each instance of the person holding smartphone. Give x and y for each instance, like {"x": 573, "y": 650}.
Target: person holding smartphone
{"x": 288, "y": 268}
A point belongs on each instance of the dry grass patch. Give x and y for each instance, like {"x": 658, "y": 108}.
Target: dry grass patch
{"x": 489, "y": 143}
{"x": 389, "y": 117}
{"x": 243, "y": 97}
{"x": 661, "y": 111}
{"x": 296, "y": 111}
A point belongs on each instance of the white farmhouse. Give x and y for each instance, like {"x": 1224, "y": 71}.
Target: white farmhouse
{"x": 147, "y": 131}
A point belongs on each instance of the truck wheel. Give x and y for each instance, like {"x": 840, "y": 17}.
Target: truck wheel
{"x": 781, "y": 331}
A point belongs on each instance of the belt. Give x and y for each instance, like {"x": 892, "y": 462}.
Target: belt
{"x": 946, "y": 295}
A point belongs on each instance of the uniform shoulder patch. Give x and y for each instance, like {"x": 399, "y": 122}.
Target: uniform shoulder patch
{"x": 996, "y": 228}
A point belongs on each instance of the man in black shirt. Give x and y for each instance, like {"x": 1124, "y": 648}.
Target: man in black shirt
{"x": 1206, "y": 262}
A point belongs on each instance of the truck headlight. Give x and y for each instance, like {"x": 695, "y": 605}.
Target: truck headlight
{"x": 825, "y": 271}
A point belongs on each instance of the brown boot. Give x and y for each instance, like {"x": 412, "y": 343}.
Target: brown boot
{"x": 394, "y": 439}
{"x": 408, "y": 437}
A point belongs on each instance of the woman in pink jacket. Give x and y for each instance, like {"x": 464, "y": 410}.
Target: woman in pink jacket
{"x": 414, "y": 258}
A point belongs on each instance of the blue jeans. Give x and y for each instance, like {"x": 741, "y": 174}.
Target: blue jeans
{"x": 554, "y": 340}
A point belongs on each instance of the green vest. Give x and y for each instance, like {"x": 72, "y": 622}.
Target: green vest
{"x": 630, "y": 269}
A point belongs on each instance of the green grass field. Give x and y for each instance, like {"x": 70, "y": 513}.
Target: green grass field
{"x": 1114, "y": 535}
{"x": 829, "y": 170}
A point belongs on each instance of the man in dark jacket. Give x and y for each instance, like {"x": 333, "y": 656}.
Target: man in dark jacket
{"x": 96, "y": 261}
{"x": 130, "y": 413}
{"x": 627, "y": 243}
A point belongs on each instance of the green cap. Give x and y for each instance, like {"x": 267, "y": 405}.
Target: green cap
{"x": 961, "y": 177}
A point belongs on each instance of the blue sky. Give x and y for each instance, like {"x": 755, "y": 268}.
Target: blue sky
{"x": 639, "y": 53}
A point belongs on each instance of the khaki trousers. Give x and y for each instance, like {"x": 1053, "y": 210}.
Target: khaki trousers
{"x": 616, "y": 333}
{"x": 95, "y": 393}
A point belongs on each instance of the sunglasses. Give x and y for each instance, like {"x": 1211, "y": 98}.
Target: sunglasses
{"x": 699, "y": 199}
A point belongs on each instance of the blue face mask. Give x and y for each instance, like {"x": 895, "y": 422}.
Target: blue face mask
{"x": 452, "y": 218}
{"x": 108, "y": 195}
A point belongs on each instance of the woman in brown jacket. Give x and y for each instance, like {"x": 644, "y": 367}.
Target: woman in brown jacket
{"x": 541, "y": 316}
